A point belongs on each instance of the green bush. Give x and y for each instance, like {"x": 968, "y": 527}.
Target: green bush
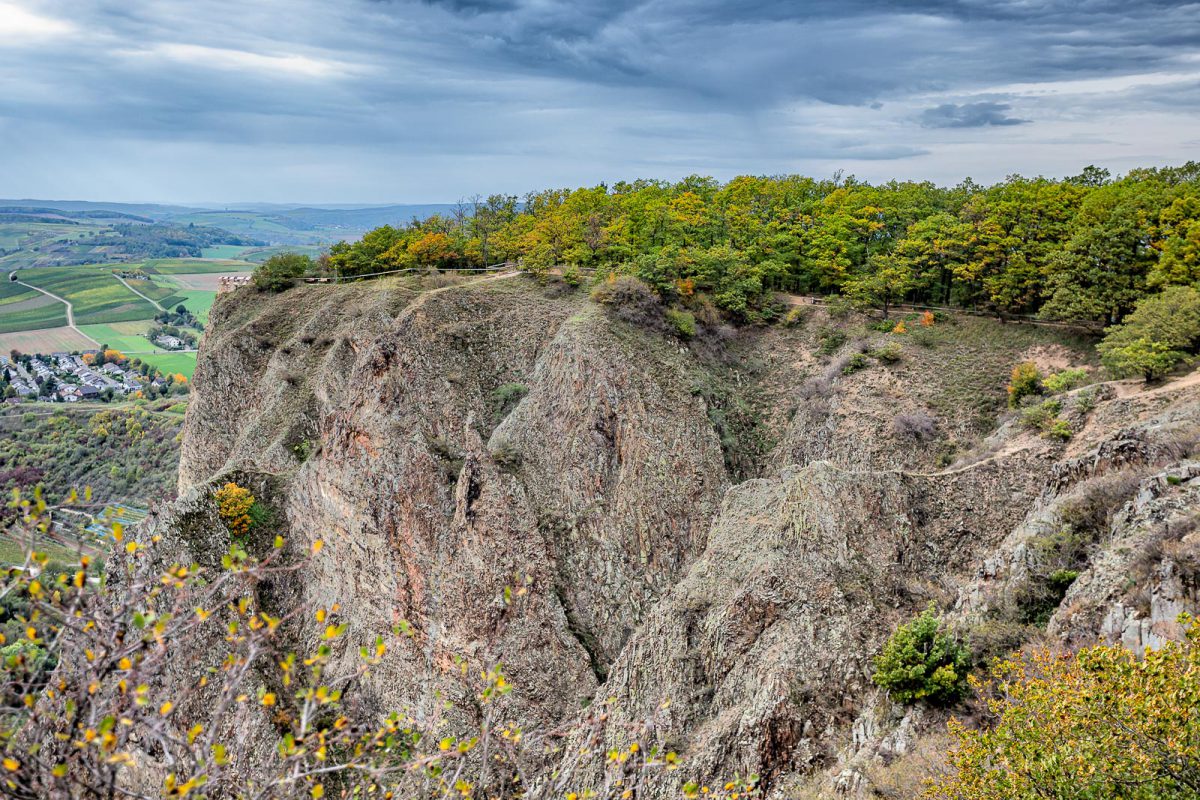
{"x": 882, "y": 325}
{"x": 505, "y": 398}
{"x": 888, "y": 353}
{"x": 796, "y": 317}
{"x": 1059, "y": 430}
{"x": 281, "y": 271}
{"x": 683, "y": 323}
{"x": 1042, "y": 416}
{"x": 1160, "y": 334}
{"x": 922, "y": 662}
{"x": 1064, "y": 381}
{"x": 830, "y": 340}
{"x": 854, "y": 363}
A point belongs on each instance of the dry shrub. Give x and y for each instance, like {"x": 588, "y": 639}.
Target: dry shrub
{"x": 631, "y": 300}
{"x": 901, "y": 776}
{"x": 1169, "y": 542}
{"x": 814, "y": 388}
{"x": 918, "y": 426}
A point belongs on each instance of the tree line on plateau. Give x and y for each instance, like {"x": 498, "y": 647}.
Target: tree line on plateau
{"x": 1086, "y": 247}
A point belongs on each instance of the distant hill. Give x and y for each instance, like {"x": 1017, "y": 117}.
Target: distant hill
{"x": 273, "y": 223}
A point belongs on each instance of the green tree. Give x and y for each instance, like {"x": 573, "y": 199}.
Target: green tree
{"x": 886, "y": 280}
{"x": 922, "y": 662}
{"x": 1162, "y": 332}
{"x": 281, "y": 271}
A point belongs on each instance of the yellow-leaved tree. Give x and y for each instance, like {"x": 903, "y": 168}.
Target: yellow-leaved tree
{"x": 1101, "y": 724}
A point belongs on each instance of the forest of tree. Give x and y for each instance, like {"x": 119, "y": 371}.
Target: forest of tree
{"x": 1086, "y": 247}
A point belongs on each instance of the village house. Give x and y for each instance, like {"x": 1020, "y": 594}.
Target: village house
{"x": 170, "y": 342}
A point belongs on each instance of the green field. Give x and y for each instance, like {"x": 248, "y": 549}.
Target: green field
{"x": 184, "y": 266}
{"x": 197, "y": 301}
{"x": 107, "y": 310}
{"x": 261, "y": 254}
{"x": 23, "y": 309}
{"x": 124, "y": 336}
{"x": 172, "y": 362}
{"x": 226, "y": 251}
{"x": 13, "y": 292}
{"x": 96, "y": 294}
{"x": 154, "y": 290}
{"x": 30, "y": 319}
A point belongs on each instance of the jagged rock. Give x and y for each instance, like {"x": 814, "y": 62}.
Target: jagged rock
{"x": 653, "y": 573}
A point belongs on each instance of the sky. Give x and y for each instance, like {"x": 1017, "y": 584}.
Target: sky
{"x": 378, "y": 101}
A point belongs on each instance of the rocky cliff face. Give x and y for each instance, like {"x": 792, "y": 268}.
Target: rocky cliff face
{"x": 734, "y": 526}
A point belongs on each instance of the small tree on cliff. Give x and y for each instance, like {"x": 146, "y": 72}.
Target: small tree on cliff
{"x": 921, "y": 662}
{"x": 281, "y": 271}
{"x": 1162, "y": 332}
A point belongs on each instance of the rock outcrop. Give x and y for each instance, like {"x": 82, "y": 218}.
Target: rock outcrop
{"x": 448, "y": 443}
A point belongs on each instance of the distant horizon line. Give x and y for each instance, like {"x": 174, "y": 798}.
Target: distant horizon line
{"x": 254, "y": 205}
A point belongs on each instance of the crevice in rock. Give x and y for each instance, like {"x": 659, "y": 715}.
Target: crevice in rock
{"x": 586, "y": 639}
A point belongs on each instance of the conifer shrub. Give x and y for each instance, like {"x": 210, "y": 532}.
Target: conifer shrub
{"x": 923, "y": 662}
{"x": 830, "y": 341}
{"x": 854, "y": 363}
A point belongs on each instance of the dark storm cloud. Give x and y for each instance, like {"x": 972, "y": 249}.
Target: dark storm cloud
{"x": 448, "y": 97}
{"x": 968, "y": 115}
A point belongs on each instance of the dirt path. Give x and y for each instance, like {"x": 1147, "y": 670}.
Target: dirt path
{"x": 70, "y": 309}
{"x": 149, "y": 300}
{"x": 1132, "y": 387}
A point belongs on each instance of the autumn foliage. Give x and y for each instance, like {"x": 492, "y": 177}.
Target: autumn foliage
{"x": 234, "y": 504}
{"x": 1101, "y": 724}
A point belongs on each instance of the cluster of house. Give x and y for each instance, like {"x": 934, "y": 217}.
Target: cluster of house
{"x": 73, "y": 378}
{"x": 20, "y": 379}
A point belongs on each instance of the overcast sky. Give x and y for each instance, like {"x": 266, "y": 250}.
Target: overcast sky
{"x": 401, "y": 101}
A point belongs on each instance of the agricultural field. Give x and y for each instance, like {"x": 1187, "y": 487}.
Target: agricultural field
{"x": 22, "y": 309}
{"x": 196, "y": 301}
{"x": 156, "y": 291}
{"x": 261, "y": 254}
{"x": 128, "y": 337}
{"x": 186, "y": 266}
{"x": 106, "y": 309}
{"x": 233, "y": 251}
{"x": 44, "y": 340}
{"x": 97, "y": 296}
{"x": 184, "y": 363}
